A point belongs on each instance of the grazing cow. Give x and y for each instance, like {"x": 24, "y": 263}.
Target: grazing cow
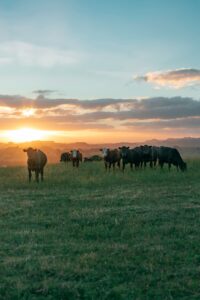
{"x": 111, "y": 157}
{"x": 96, "y": 158}
{"x": 88, "y": 159}
{"x": 76, "y": 157}
{"x": 36, "y": 162}
{"x": 132, "y": 156}
{"x": 65, "y": 157}
{"x": 171, "y": 156}
{"x": 92, "y": 158}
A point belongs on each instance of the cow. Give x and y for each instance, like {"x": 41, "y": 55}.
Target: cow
{"x": 76, "y": 157}
{"x": 96, "y": 158}
{"x": 36, "y": 162}
{"x": 65, "y": 157}
{"x": 171, "y": 156}
{"x": 111, "y": 157}
{"x": 154, "y": 155}
{"x": 149, "y": 154}
{"x": 88, "y": 159}
{"x": 92, "y": 158}
{"x": 146, "y": 154}
{"x": 132, "y": 156}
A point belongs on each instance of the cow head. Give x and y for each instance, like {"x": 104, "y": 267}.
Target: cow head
{"x": 124, "y": 151}
{"x": 183, "y": 166}
{"x": 30, "y": 151}
{"x": 105, "y": 151}
{"x": 146, "y": 150}
{"x": 74, "y": 153}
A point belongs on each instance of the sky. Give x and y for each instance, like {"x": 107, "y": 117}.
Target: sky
{"x": 117, "y": 70}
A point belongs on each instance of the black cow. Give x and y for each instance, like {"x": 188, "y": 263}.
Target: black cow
{"x": 65, "y": 157}
{"x": 92, "y": 158}
{"x": 36, "y": 162}
{"x": 171, "y": 156}
{"x": 132, "y": 156}
{"x": 96, "y": 158}
{"x": 88, "y": 159}
{"x": 149, "y": 154}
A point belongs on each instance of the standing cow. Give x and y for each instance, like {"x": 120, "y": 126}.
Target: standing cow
{"x": 76, "y": 157}
{"x": 149, "y": 154}
{"x": 65, "y": 157}
{"x": 111, "y": 157}
{"x": 132, "y": 156}
{"x": 36, "y": 162}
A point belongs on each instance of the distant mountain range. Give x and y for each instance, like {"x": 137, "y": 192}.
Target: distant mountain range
{"x": 11, "y": 154}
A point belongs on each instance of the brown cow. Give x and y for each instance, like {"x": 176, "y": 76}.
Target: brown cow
{"x": 111, "y": 157}
{"x": 76, "y": 157}
{"x": 36, "y": 162}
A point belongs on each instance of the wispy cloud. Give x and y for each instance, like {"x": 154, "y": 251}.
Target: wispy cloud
{"x": 44, "y": 92}
{"x": 178, "y": 78}
{"x": 27, "y": 54}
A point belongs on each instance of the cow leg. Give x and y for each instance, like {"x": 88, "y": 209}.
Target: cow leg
{"x": 77, "y": 163}
{"x": 29, "y": 175}
{"x": 113, "y": 166}
{"x": 131, "y": 165}
{"x": 151, "y": 164}
{"x": 37, "y": 176}
{"x": 123, "y": 167}
{"x": 42, "y": 174}
{"x": 106, "y": 165}
{"x": 118, "y": 164}
{"x": 161, "y": 165}
{"x": 109, "y": 166}
{"x": 169, "y": 166}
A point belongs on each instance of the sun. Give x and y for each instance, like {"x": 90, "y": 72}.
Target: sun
{"x": 26, "y": 135}
{"x": 28, "y": 112}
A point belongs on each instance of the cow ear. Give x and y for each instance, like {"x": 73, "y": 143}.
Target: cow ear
{"x": 24, "y": 150}
{"x": 128, "y": 147}
{"x": 100, "y": 149}
{"x": 120, "y": 148}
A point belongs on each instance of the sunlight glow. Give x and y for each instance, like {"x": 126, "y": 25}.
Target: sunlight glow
{"x": 27, "y": 112}
{"x": 26, "y": 135}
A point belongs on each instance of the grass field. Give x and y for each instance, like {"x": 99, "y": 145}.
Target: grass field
{"x": 87, "y": 234}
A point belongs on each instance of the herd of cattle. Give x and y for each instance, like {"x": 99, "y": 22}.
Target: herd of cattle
{"x": 139, "y": 157}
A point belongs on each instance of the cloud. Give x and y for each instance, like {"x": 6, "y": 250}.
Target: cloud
{"x": 44, "y": 92}
{"x": 139, "y": 115}
{"x": 178, "y": 78}
{"x": 27, "y": 54}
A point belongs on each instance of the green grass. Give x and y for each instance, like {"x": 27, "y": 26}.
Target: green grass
{"x": 87, "y": 234}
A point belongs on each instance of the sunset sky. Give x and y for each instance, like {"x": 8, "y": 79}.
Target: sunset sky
{"x": 99, "y": 71}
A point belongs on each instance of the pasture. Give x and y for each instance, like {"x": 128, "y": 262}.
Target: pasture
{"x": 87, "y": 234}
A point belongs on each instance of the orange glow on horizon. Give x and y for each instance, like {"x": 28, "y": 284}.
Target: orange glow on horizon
{"x": 25, "y": 134}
